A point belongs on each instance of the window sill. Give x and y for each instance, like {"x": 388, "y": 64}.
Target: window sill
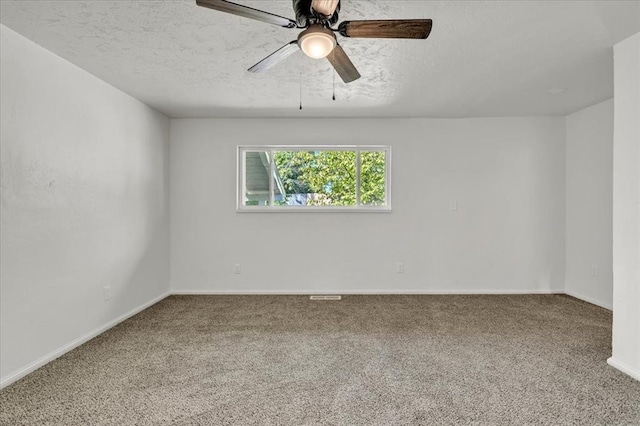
{"x": 307, "y": 209}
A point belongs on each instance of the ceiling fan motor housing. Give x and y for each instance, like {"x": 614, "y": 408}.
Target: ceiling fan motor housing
{"x": 306, "y": 17}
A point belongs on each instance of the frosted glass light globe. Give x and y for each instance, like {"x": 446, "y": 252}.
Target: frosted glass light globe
{"x": 317, "y": 42}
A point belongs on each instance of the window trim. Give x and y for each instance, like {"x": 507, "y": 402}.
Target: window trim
{"x": 241, "y": 173}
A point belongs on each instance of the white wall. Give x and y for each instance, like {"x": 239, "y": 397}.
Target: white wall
{"x": 626, "y": 208}
{"x": 506, "y": 174}
{"x": 84, "y": 205}
{"x": 589, "y": 273}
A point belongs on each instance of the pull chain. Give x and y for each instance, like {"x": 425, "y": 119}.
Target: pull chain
{"x": 300, "y": 90}
{"x": 334, "y": 84}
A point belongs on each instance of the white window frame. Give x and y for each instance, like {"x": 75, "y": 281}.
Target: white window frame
{"x": 240, "y": 207}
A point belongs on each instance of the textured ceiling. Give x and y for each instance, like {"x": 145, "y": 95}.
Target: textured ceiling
{"x": 483, "y": 58}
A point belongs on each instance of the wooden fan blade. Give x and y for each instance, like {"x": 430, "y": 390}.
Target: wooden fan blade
{"x": 325, "y": 7}
{"x": 396, "y": 28}
{"x": 275, "y": 58}
{"x": 247, "y": 12}
{"x": 343, "y": 65}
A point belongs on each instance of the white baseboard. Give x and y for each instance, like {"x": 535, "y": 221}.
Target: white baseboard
{"x": 624, "y": 368}
{"x": 589, "y": 300}
{"x": 6, "y": 381}
{"x": 356, "y": 292}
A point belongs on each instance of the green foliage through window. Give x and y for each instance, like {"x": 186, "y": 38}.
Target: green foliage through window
{"x": 327, "y": 177}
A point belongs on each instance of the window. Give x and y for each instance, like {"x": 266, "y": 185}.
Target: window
{"x": 314, "y": 178}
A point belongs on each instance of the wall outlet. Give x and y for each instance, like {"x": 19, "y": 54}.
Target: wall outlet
{"x": 236, "y": 268}
{"x": 106, "y": 293}
{"x": 400, "y": 267}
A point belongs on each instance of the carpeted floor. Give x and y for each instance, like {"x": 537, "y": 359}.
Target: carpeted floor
{"x": 365, "y": 360}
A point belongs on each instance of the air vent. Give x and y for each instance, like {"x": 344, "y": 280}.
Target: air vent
{"x": 325, "y": 297}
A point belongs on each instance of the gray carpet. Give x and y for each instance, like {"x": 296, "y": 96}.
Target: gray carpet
{"x": 366, "y": 360}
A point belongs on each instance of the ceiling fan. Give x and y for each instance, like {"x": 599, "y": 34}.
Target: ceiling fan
{"x": 318, "y": 40}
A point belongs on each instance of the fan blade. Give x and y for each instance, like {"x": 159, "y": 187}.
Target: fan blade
{"x": 343, "y": 65}
{"x": 275, "y": 58}
{"x": 247, "y": 12}
{"x": 325, "y": 7}
{"x": 396, "y": 28}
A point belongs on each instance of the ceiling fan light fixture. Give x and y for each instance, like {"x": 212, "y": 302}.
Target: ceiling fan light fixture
{"x": 317, "y": 42}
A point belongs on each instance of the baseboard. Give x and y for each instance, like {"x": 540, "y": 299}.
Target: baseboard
{"x": 589, "y": 300}
{"x": 6, "y": 381}
{"x": 624, "y": 368}
{"x": 357, "y": 292}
